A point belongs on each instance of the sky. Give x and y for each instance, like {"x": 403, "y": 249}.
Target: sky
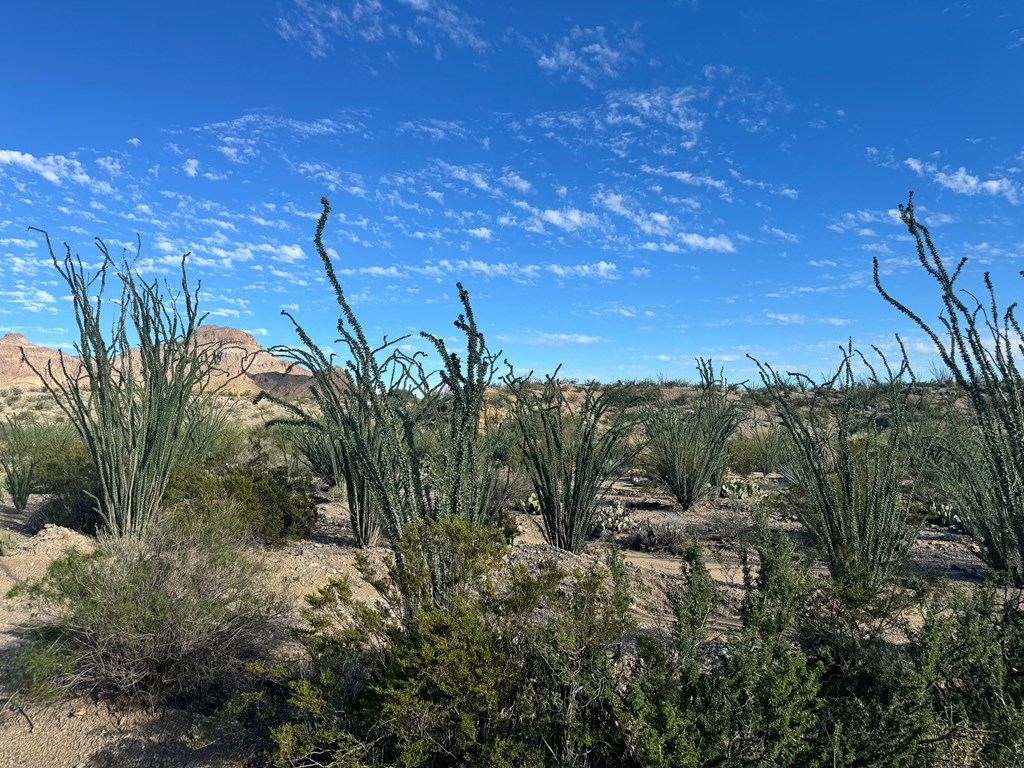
{"x": 621, "y": 187}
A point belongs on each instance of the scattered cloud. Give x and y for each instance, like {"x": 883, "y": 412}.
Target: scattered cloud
{"x": 787, "y": 318}
{"x": 554, "y": 339}
{"x": 438, "y": 130}
{"x": 964, "y": 182}
{"x": 587, "y": 55}
{"x": 316, "y": 25}
{"x": 569, "y": 219}
{"x": 56, "y": 169}
{"x": 789, "y": 237}
{"x": 720, "y": 243}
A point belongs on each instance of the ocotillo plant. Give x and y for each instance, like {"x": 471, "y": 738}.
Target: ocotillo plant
{"x": 571, "y": 452}
{"x": 686, "y": 448}
{"x": 856, "y": 510}
{"x": 133, "y": 407}
{"x": 330, "y": 459}
{"x": 387, "y": 400}
{"x": 980, "y": 346}
{"x": 20, "y": 440}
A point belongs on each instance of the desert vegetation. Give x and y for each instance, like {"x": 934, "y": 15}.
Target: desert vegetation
{"x": 815, "y": 639}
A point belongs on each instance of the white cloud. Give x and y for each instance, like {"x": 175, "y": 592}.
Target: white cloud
{"x": 238, "y": 150}
{"x": 967, "y": 184}
{"x": 17, "y": 242}
{"x": 314, "y": 25}
{"x": 692, "y": 179}
{"x": 789, "y": 237}
{"x": 286, "y": 253}
{"x": 110, "y": 165}
{"x": 191, "y": 168}
{"x": 586, "y": 55}
{"x": 437, "y": 130}
{"x": 516, "y": 182}
{"x": 787, "y": 319}
{"x": 135, "y": 142}
{"x": 964, "y": 182}
{"x": 555, "y": 339}
{"x": 602, "y": 269}
{"x": 482, "y": 232}
{"x": 30, "y": 299}
{"x": 720, "y": 243}
{"x": 54, "y": 168}
{"x": 569, "y": 219}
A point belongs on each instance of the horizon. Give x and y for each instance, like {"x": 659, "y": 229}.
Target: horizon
{"x": 620, "y": 190}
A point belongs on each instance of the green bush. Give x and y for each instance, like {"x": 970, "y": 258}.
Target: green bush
{"x": 755, "y": 702}
{"x": 519, "y": 670}
{"x": 272, "y": 504}
{"x": 763, "y": 450}
{"x": 66, "y": 475}
{"x": 171, "y": 616}
{"x": 663, "y": 537}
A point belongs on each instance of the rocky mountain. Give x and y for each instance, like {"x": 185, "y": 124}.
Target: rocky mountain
{"x": 15, "y": 372}
{"x": 244, "y": 367}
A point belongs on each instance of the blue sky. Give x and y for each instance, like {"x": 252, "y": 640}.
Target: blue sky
{"x": 620, "y": 187}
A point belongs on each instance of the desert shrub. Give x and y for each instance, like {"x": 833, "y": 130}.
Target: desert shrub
{"x": 6, "y": 544}
{"x": 753, "y": 702}
{"x": 66, "y": 474}
{"x": 974, "y": 643}
{"x": 172, "y": 615}
{"x": 686, "y": 448}
{"x": 135, "y": 408}
{"x": 979, "y": 345}
{"x": 271, "y": 503}
{"x": 522, "y": 670}
{"x": 763, "y": 450}
{"x": 848, "y": 488}
{"x": 663, "y": 537}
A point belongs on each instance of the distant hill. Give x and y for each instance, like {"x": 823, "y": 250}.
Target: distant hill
{"x": 238, "y": 349}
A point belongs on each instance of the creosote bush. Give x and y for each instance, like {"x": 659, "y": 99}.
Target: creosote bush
{"x": 522, "y": 670}
{"x": 270, "y": 503}
{"x": 171, "y": 615}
